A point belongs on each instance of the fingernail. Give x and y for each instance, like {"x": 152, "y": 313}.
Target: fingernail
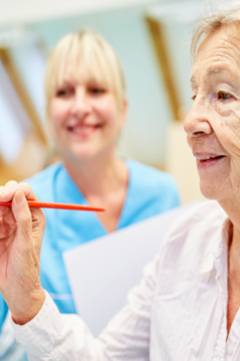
{"x": 19, "y": 196}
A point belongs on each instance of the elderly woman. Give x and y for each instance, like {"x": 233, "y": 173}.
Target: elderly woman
{"x": 86, "y": 107}
{"x": 187, "y": 305}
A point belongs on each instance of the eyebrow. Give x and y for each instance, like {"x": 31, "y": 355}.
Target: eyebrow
{"x": 212, "y": 71}
{"x": 215, "y": 71}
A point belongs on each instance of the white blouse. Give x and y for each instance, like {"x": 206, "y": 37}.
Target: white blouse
{"x": 177, "y": 313}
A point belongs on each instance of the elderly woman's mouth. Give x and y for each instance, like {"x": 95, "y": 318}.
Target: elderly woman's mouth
{"x": 209, "y": 158}
{"x": 208, "y": 161}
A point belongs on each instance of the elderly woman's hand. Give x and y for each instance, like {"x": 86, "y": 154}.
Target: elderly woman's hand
{"x": 21, "y": 232}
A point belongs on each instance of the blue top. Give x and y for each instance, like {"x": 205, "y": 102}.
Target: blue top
{"x": 150, "y": 192}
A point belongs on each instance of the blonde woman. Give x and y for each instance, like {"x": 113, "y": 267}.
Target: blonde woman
{"x": 86, "y": 109}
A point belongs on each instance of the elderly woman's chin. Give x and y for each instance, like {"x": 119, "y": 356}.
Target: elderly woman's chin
{"x": 216, "y": 186}
{"x": 208, "y": 190}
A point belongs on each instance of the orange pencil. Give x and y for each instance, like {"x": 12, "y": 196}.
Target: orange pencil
{"x": 72, "y": 207}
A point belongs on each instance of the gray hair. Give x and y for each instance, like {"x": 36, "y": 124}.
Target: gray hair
{"x": 208, "y": 23}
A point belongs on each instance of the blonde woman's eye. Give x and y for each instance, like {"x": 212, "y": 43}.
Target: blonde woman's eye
{"x": 224, "y": 96}
{"x": 193, "y": 97}
{"x": 97, "y": 90}
{"x": 64, "y": 92}
{"x": 60, "y": 93}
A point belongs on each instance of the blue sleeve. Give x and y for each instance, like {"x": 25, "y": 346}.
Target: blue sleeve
{"x": 3, "y": 311}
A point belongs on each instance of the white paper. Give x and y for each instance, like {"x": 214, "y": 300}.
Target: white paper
{"x": 102, "y": 272}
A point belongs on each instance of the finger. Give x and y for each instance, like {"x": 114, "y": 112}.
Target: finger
{"x": 6, "y": 229}
{"x": 10, "y": 183}
{"x": 35, "y": 217}
{"x": 4, "y": 210}
{"x": 22, "y": 216}
{"x": 8, "y": 216}
{"x": 28, "y": 192}
{"x": 8, "y": 191}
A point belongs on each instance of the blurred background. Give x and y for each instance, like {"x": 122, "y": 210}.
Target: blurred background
{"x": 152, "y": 39}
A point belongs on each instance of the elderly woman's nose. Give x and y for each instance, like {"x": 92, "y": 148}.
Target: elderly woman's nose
{"x": 80, "y": 104}
{"x": 197, "y": 121}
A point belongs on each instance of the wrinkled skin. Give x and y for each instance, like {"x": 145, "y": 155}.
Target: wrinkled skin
{"x": 21, "y": 232}
{"x": 213, "y": 124}
{"x": 213, "y": 132}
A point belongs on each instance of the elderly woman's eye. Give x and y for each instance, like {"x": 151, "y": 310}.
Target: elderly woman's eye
{"x": 224, "y": 96}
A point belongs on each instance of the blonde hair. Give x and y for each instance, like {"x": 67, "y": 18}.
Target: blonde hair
{"x": 97, "y": 59}
{"x": 207, "y": 24}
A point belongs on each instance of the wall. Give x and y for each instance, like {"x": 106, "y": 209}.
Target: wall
{"x": 25, "y": 11}
{"x": 149, "y": 134}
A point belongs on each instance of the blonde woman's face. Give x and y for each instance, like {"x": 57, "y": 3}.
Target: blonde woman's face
{"x": 85, "y": 118}
{"x": 213, "y": 124}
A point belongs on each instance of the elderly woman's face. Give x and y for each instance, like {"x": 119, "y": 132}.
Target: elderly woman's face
{"x": 213, "y": 124}
{"x": 85, "y": 118}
